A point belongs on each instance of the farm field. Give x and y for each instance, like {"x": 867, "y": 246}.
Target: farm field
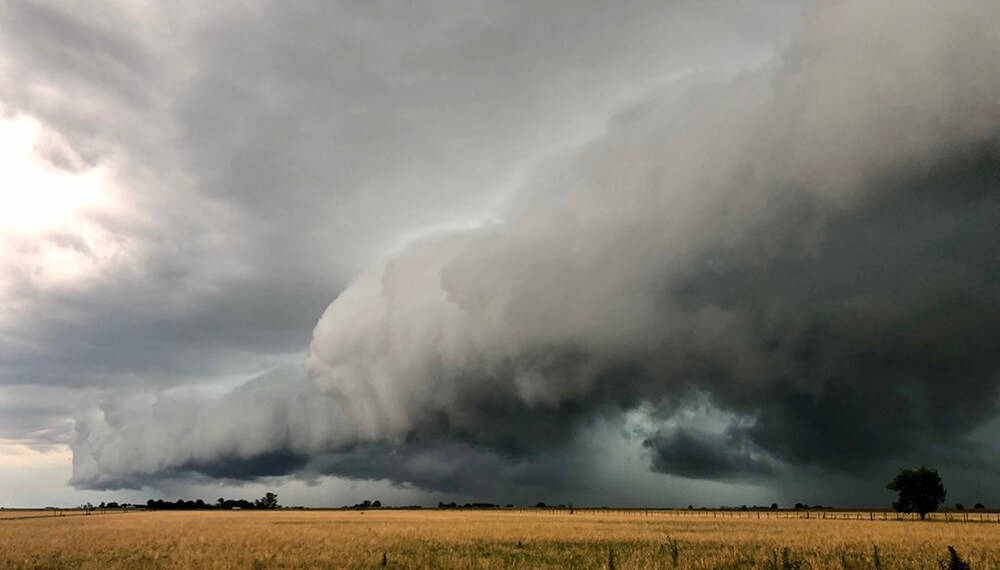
{"x": 10, "y": 514}
{"x": 484, "y": 539}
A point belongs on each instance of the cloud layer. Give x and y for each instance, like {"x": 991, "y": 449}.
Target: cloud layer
{"x": 813, "y": 249}
{"x": 810, "y": 250}
{"x": 194, "y": 184}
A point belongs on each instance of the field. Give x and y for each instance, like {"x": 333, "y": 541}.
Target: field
{"x": 485, "y": 539}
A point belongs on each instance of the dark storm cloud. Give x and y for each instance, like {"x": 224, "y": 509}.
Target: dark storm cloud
{"x": 826, "y": 277}
{"x": 819, "y": 269}
{"x": 702, "y": 455}
{"x": 455, "y": 468}
{"x": 255, "y": 178}
{"x": 264, "y": 465}
{"x": 829, "y": 278}
{"x": 876, "y": 339}
{"x": 810, "y": 250}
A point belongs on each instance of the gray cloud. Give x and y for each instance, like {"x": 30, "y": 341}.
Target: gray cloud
{"x": 800, "y": 267}
{"x": 811, "y": 248}
{"x": 705, "y": 455}
{"x": 36, "y": 415}
{"x": 263, "y": 155}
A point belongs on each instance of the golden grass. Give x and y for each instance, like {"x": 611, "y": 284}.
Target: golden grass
{"x": 6, "y": 514}
{"x": 483, "y": 539}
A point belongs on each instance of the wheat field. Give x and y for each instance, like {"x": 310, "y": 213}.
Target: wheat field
{"x": 483, "y": 539}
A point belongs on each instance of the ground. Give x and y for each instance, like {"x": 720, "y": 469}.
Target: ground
{"x": 488, "y": 539}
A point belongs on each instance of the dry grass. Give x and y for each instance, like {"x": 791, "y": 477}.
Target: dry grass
{"x": 429, "y": 539}
{"x": 8, "y": 514}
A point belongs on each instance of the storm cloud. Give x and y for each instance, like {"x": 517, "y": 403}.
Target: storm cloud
{"x": 812, "y": 249}
{"x": 703, "y": 455}
{"x": 562, "y": 251}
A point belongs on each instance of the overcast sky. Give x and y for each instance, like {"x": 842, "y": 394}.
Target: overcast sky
{"x": 649, "y": 253}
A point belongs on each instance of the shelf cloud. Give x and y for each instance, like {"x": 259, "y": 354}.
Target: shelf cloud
{"x": 808, "y": 251}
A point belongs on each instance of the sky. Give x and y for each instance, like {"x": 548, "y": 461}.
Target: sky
{"x": 654, "y": 253}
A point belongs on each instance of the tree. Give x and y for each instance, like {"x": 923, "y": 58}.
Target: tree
{"x": 268, "y": 501}
{"x": 920, "y": 490}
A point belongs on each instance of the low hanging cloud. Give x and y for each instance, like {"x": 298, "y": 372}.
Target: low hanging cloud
{"x": 811, "y": 248}
{"x": 702, "y": 455}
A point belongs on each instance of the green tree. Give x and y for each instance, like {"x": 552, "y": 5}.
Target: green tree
{"x": 920, "y": 490}
{"x": 268, "y": 501}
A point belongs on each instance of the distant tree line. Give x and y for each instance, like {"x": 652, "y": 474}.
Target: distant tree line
{"x": 365, "y": 505}
{"x": 267, "y": 502}
{"x": 376, "y": 504}
{"x": 920, "y": 490}
{"x": 807, "y": 506}
{"x": 443, "y": 505}
{"x": 771, "y": 507}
